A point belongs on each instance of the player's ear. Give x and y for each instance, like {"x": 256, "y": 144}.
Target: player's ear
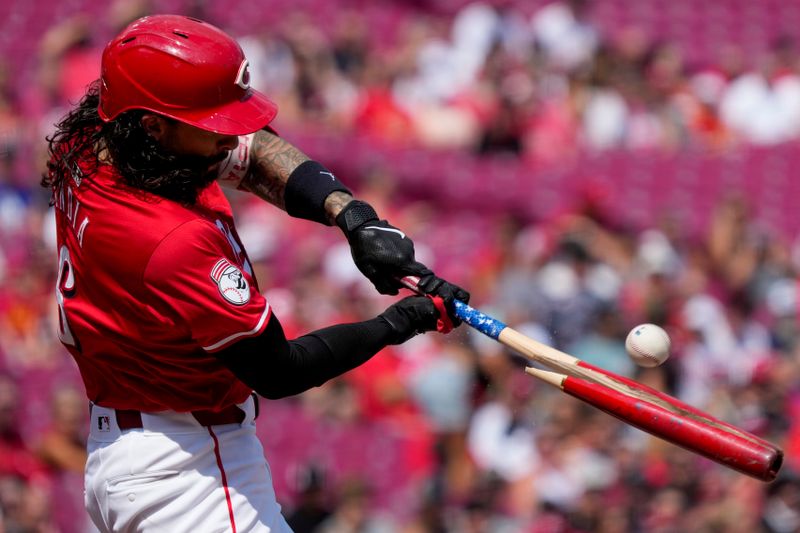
{"x": 154, "y": 125}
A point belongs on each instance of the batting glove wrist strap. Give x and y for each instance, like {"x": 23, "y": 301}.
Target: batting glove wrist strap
{"x": 307, "y": 188}
{"x": 354, "y": 215}
{"x": 443, "y": 324}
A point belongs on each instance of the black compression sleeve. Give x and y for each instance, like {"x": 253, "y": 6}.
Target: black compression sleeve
{"x": 276, "y": 368}
{"x": 306, "y": 190}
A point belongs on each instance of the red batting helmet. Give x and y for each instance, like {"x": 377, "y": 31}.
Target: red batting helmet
{"x": 182, "y": 68}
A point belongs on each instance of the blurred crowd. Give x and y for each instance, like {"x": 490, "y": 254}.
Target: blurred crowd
{"x": 447, "y": 434}
{"x": 540, "y": 87}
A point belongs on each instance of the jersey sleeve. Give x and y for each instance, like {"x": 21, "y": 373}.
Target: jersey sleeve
{"x": 195, "y": 274}
{"x": 233, "y": 169}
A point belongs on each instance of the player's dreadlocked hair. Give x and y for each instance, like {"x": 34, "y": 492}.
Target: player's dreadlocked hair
{"x": 82, "y": 136}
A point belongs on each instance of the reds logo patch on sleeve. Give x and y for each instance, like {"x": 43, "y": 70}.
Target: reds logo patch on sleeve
{"x": 231, "y": 282}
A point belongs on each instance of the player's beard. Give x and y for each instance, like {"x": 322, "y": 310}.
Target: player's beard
{"x": 154, "y": 169}
{"x": 190, "y": 174}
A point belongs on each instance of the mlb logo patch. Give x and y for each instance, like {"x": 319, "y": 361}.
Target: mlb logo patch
{"x": 103, "y": 423}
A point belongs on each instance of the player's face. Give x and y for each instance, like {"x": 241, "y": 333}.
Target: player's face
{"x": 190, "y": 142}
{"x": 185, "y": 140}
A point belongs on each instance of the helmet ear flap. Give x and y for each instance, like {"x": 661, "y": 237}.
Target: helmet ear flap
{"x": 153, "y": 62}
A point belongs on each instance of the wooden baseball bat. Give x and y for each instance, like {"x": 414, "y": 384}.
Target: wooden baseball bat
{"x": 643, "y": 407}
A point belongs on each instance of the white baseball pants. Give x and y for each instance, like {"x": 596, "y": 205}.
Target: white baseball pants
{"x": 176, "y": 475}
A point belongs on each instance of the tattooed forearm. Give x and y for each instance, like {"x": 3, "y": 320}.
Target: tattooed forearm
{"x": 272, "y": 160}
{"x": 334, "y": 203}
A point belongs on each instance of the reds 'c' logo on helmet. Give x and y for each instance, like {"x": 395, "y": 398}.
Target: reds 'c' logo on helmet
{"x": 243, "y": 76}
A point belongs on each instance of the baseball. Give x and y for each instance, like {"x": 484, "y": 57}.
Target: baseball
{"x": 648, "y": 345}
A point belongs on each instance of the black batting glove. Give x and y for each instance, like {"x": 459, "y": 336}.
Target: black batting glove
{"x": 411, "y": 316}
{"x": 381, "y": 252}
{"x": 384, "y": 254}
{"x": 430, "y": 284}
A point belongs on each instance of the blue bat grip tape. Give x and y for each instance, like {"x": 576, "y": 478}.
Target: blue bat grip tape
{"x": 491, "y": 327}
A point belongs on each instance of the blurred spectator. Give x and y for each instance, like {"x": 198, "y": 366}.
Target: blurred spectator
{"x": 352, "y": 514}
{"x": 440, "y": 378}
{"x": 603, "y": 345}
{"x": 311, "y": 509}
{"x": 378, "y": 115}
{"x": 605, "y": 112}
{"x": 735, "y": 244}
{"x": 13, "y": 133}
{"x": 501, "y": 435}
{"x": 69, "y": 61}
{"x": 764, "y": 106}
{"x": 24, "y": 501}
{"x": 571, "y": 293}
{"x": 63, "y": 446}
{"x": 16, "y": 458}
{"x": 62, "y": 449}
{"x": 565, "y": 32}
{"x": 24, "y": 507}
{"x": 782, "y": 508}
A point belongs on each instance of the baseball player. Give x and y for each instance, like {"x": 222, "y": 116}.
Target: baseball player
{"x": 157, "y": 300}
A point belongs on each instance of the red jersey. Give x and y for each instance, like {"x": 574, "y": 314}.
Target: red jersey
{"x": 148, "y": 290}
